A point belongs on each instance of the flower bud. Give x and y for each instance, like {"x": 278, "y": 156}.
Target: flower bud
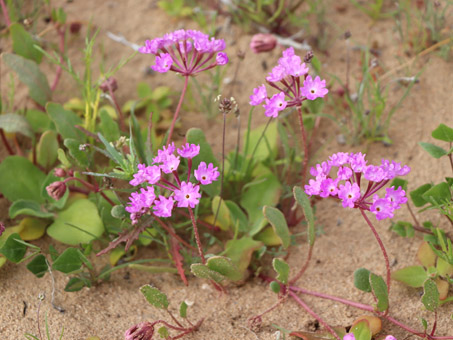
{"x": 141, "y": 331}
{"x": 56, "y": 190}
{"x": 2, "y": 228}
{"x": 59, "y": 172}
{"x": 109, "y": 84}
{"x": 263, "y": 43}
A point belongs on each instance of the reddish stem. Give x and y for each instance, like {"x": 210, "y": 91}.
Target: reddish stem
{"x": 203, "y": 223}
{"x": 91, "y": 187}
{"x": 305, "y": 266}
{"x": 313, "y": 314}
{"x": 381, "y": 245}
{"x": 118, "y": 108}
{"x": 5, "y": 13}
{"x": 172, "y": 233}
{"x": 5, "y": 141}
{"x": 178, "y": 108}
{"x": 197, "y": 236}
{"x": 61, "y": 34}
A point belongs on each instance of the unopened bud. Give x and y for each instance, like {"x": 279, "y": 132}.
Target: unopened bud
{"x": 141, "y": 331}
{"x": 75, "y": 27}
{"x": 59, "y": 172}
{"x": 56, "y": 190}
{"x": 263, "y": 43}
{"x": 109, "y": 84}
{"x": 226, "y": 105}
{"x": 308, "y": 57}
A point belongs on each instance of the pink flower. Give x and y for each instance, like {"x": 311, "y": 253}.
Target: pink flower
{"x": 170, "y": 164}
{"x": 206, "y": 175}
{"x": 396, "y": 197}
{"x": 150, "y": 174}
{"x": 374, "y": 173}
{"x": 314, "y": 88}
{"x": 382, "y": 208}
{"x": 339, "y": 158}
{"x": 349, "y": 336}
{"x": 221, "y": 58}
{"x": 274, "y": 105}
{"x": 163, "y": 63}
{"x": 349, "y": 193}
{"x": 164, "y": 153}
{"x": 56, "y": 190}
{"x": 263, "y": 43}
{"x": 313, "y": 187}
{"x": 188, "y": 195}
{"x": 277, "y": 74}
{"x": 328, "y": 187}
{"x": 189, "y": 150}
{"x": 163, "y": 206}
{"x": 357, "y": 161}
{"x": 142, "y": 331}
{"x": 258, "y": 96}
{"x": 344, "y": 173}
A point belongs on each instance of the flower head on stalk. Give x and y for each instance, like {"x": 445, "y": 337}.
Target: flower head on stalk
{"x": 159, "y": 195}
{"x": 187, "y": 52}
{"x": 290, "y": 77}
{"x": 346, "y": 183}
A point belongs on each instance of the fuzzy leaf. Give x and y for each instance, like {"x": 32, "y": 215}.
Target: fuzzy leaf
{"x": 404, "y": 229}
{"x": 15, "y": 123}
{"x": 276, "y": 218}
{"x": 240, "y": 251}
{"x": 32, "y": 229}
{"x": 80, "y": 156}
{"x": 426, "y": 256}
{"x": 433, "y": 150}
{"x": 275, "y": 287}
{"x": 303, "y": 200}
{"x": 399, "y": 182}
{"x": 183, "y": 309}
{"x": 30, "y": 74}
{"x": 47, "y": 149}
{"x": 68, "y": 261}
{"x": 108, "y": 127}
{"x": 361, "y": 330}
{"x": 65, "y": 121}
{"x": 26, "y": 207}
{"x": 12, "y": 250}
{"x": 224, "y": 266}
{"x": 39, "y": 121}
{"x": 237, "y": 216}
{"x": 413, "y": 276}
{"x": 430, "y": 297}
{"x": 380, "y": 291}
{"x": 417, "y": 195}
{"x": 203, "y": 272}
{"x": 23, "y": 43}
{"x": 20, "y": 179}
{"x": 362, "y": 280}
{"x": 443, "y": 132}
{"x": 38, "y": 265}
{"x": 155, "y": 297}
{"x": 438, "y": 193}
{"x": 267, "y": 145}
{"x": 282, "y": 269}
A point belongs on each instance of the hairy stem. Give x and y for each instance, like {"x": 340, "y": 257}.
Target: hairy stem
{"x": 197, "y": 236}
{"x": 381, "y": 245}
{"x": 5, "y": 13}
{"x": 178, "y": 108}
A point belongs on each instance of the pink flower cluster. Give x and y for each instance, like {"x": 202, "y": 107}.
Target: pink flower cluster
{"x": 350, "y": 336}
{"x": 345, "y": 184}
{"x": 286, "y": 78}
{"x": 184, "y": 194}
{"x": 185, "y": 51}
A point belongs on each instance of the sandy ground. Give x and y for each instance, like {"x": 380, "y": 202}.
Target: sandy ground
{"x": 347, "y": 243}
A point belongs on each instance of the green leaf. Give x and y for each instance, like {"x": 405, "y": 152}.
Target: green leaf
{"x": 30, "y": 208}
{"x": 39, "y": 121}
{"x": 13, "y": 250}
{"x": 413, "y": 276}
{"x": 417, "y": 195}
{"x": 68, "y": 262}
{"x": 404, "y": 229}
{"x": 203, "y": 272}
{"x": 282, "y": 269}
{"x": 267, "y": 145}
{"x": 361, "y": 330}
{"x": 23, "y": 43}
{"x": 38, "y": 265}
{"x": 15, "y": 123}
{"x": 196, "y": 136}
{"x": 237, "y": 216}
{"x": 155, "y": 297}
{"x": 443, "y": 132}
{"x": 278, "y": 222}
{"x": 80, "y": 156}
{"x": 430, "y": 296}
{"x": 47, "y": 149}
{"x": 79, "y": 223}
{"x": 163, "y": 332}
{"x": 265, "y": 190}
{"x": 224, "y": 213}
{"x": 65, "y": 121}
{"x": 30, "y": 74}
{"x": 183, "y": 309}
{"x": 108, "y": 127}
{"x": 398, "y": 182}
{"x": 438, "y": 193}
{"x": 118, "y": 211}
{"x": 240, "y": 251}
{"x": 380, "y": 291}
{"x": 362, "y": 279}
{"x": 20, "y": 179}
{"x": 275, "y": 287}
{"x": 224, "y": 266}
{"x": 303, "y": 200}
{"x": 433, "y": 150}
{"x": 75, "y": 284}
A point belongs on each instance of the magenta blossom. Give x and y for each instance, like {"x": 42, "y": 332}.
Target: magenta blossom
{"x": 188, "y": 196}
{"x": 287, "y": 77}
{"x": 346, "y": 183}
{"x": 187, "y": 52}
{"x": 189, "y": 150}
{"x": 206, "y": 174}
{"x": 163, "y": 206}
